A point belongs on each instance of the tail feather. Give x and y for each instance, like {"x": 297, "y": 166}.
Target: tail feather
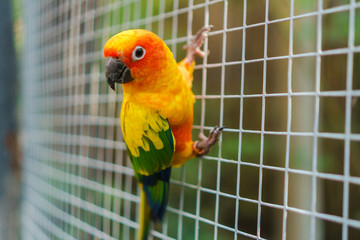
{"x": 154, "y": 198}
{"x": 157, "y": 196}
{"x": 156, "y": 188}
{"x": 144, "y": 217}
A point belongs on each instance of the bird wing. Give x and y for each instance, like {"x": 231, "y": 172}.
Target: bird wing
{"x": 148, "y": 137}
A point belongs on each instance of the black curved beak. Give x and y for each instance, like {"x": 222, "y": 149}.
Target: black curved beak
{"x": 117, "y": 72}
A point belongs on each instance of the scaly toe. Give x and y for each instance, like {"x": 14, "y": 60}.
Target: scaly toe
{"x": 203, "y": 146}
{"x": 194, "y": 47}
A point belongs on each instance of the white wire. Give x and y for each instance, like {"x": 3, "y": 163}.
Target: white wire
{"x": 63, "y": 98}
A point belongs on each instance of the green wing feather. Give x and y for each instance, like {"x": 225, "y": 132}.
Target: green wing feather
{"x": 148, "y": 138}
{"x": 151, "y": 147}
{"x": 154, "y": 160}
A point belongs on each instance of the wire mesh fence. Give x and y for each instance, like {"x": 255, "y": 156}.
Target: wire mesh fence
{"x": 282, "y": 76}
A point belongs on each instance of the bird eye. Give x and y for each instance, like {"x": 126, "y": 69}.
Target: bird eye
{"x": 138, "y": 53}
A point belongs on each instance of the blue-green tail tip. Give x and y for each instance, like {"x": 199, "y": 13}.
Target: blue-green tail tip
{"x": 156, "y": 188}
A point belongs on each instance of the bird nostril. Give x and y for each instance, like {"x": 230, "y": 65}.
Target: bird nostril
{"x": 120, "y": 55}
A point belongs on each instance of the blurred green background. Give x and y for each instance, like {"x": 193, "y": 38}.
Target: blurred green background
{"x": 230, "y": 93}
{"x": 221, "y": 176}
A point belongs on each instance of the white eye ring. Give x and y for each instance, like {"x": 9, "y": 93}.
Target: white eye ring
{"x": 138, "y": 53}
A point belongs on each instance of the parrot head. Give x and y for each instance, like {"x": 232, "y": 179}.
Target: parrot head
{"x": 134, "y": 56}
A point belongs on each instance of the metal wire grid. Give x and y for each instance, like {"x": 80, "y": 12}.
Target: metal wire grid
{"x": 78, "y": 183}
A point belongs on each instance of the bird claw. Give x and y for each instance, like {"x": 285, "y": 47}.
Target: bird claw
{"x": 194, "y": 47}
{"x": 204, "y": 145}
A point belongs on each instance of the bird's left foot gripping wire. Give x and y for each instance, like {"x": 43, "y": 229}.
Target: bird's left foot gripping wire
{"x": 194, "y": 47}
{"x": 204, "y": 145}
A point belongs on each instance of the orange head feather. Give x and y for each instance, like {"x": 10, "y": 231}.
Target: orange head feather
{"x": 156, "y": 58}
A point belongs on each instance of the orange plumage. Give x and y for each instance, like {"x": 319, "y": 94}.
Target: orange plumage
{"x": 159, "y": 83}
{"x": 157, "y": 112}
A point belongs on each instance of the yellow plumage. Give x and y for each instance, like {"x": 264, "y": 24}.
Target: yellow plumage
{"x": 157, "y": 112}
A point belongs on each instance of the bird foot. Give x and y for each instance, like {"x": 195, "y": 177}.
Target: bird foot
{"x": 204, "y": 145}
{"x": 194, "y": 47}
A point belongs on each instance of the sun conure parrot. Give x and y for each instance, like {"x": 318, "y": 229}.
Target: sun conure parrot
{"x": 157, "y": 112}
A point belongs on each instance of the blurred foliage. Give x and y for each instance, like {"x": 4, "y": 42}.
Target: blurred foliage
{"x": 335, "y": 32}
{"x": 17, "y": 24}
{"x": 330, "y": 153}
{"x": 202, "y": 174}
